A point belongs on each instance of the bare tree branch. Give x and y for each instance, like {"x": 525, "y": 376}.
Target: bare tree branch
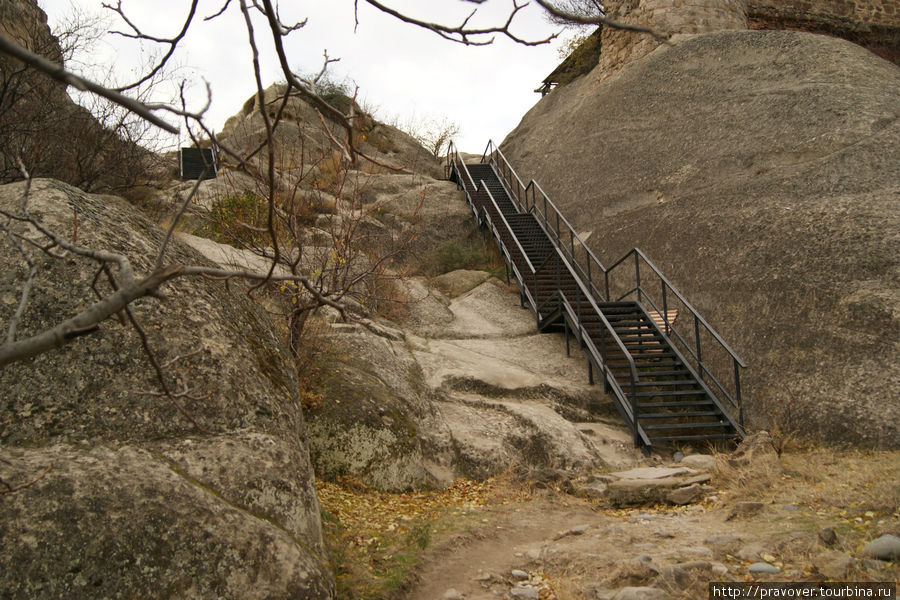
{"x": 160, "y": 375}
{"x": 59, "y": 73}
{"x": 598, "y": 19}
{"x": 464, "y": 34}
{"x": 12, "y": 489}
{"x": 138, "y": 34}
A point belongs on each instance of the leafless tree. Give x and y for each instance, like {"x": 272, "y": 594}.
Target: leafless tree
{"x": 278, "y": 235}
{"x": 587, "y": 9}
{"x": 38, "y": 121}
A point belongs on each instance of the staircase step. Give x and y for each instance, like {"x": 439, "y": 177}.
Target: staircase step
{"x": 670, "y": 415}
{"x": 669, "y": 383}
{"x": 686, "y": 438}
{"x": 682, "y": 409}
{"x": 672, "y": 426}
{"x": 695, "y": 403}
{"x": 670, "y": 393}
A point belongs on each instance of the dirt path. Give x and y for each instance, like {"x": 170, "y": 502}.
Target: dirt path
{"x": 479, "y": 562}
{"x": 568, "y": 548}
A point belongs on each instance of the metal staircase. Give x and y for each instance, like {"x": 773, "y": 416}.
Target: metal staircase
{"x": 670, "y": 383}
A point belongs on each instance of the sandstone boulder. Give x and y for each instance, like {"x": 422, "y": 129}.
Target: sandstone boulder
{"x": 140, "y": 498}
{"x": 757, "y": 169}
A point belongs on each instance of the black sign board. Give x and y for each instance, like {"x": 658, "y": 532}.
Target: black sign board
{"x": 193, "y": 161}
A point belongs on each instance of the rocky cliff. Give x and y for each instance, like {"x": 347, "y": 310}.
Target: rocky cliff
{"x": 140, "y": 498}
{"x": 39, "y": 121}
{"x": 758, "y": 170}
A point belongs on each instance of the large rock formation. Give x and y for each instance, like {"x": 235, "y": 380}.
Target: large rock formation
{"x": 302, "y": 141}
{"x": 139, "y": 498}
{"x": 874, "y": 24}
{"x": 465, "y": 388}
{"x": 759, "y": 171}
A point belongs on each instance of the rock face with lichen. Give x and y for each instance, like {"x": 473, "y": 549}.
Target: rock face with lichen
{"x": 758, "y": 170}
{"x": 139, "y": 497}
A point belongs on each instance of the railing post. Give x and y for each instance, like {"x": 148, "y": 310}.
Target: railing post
{"x": 637, "y": 275}
{"x": 558, "y": 277}
{"x": 578, "y": 311}
{"x": 665, "y": 307}
{"x": 737, "y": 391}
{"x": 558, "y": 239}
{"x": 587, "y": 258}
{"x": 606, "y": 387}
{"x": 634, "y": 412}
{"x": 697, "y": 343}
{"x": 606, "y": 285}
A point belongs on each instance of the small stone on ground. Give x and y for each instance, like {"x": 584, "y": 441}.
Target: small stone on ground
{"x": 887, "y": 547}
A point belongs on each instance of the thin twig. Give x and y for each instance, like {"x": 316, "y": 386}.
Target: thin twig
{"x": 59, "y": 73}
{"x": 10, "y": 489}
{"x": 160, "y": 376}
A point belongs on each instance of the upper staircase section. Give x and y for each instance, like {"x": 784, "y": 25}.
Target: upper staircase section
{"x": 670, "y": 374}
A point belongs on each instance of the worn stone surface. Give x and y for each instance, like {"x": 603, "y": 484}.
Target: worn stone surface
{"x": 112, "y": 518}
{"x": 874, "y": 24}
{"x": 620, "y": 47}
{"x": 303, "y": 141}
{"x": 637, "y": 492}
{"x": 652, "y": 473}
{"x": 763, "y": 568}
{"x": 686, "y": 495}
{"x": 376, "y": 420}
{"x": 832, "y": 564}
{"x": 460, "y": 281}
{"x": 772, "y": 155}
{"x": 886, "y": 547}
{"x": 134, "y": 483}
{"x": 641, "y": 593}
{"x": 703, "y": 462}
{"x": 458, "y": 395}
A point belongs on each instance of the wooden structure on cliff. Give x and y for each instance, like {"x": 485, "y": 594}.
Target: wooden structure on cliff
{"x": 579, "y": 62}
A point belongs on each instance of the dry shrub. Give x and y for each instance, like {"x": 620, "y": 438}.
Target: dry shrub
{"x": 390, "y": 298}
{"x": 751, "y": 482}
{"x": 329, "y": 173}
{"x": 472, "y": 253}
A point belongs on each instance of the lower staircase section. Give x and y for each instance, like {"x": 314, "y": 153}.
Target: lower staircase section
{"x": 658, "y": 392}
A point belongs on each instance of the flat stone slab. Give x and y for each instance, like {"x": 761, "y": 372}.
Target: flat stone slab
{"x": 887, "y": 547}
{"x": 762, "y": 567}
{"x": 653, "y": 473}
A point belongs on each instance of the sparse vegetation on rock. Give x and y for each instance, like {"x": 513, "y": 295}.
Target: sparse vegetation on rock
{"x": 762, "y": 183}
{"x": 362, "y": 336}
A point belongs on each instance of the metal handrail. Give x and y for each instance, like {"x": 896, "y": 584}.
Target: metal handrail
{"x": 504, "y": 168}
{"x": 482, "y": 186}
{"x": 495, "y": 156}
{"x": 680, "y": 296}
{"x": 471, "y": 196}
{"x": 546, "y": 225}
{"x": 515, "y": 268}
{"x": 628, "y": 407}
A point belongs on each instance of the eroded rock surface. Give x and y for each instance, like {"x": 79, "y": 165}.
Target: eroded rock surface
{"x": 225, "y": 508}
{"x": 469, "y": 390}
{"x": 758, "y": 171}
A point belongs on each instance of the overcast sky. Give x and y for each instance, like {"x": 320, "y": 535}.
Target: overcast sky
{"x": 401, "y": 69}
